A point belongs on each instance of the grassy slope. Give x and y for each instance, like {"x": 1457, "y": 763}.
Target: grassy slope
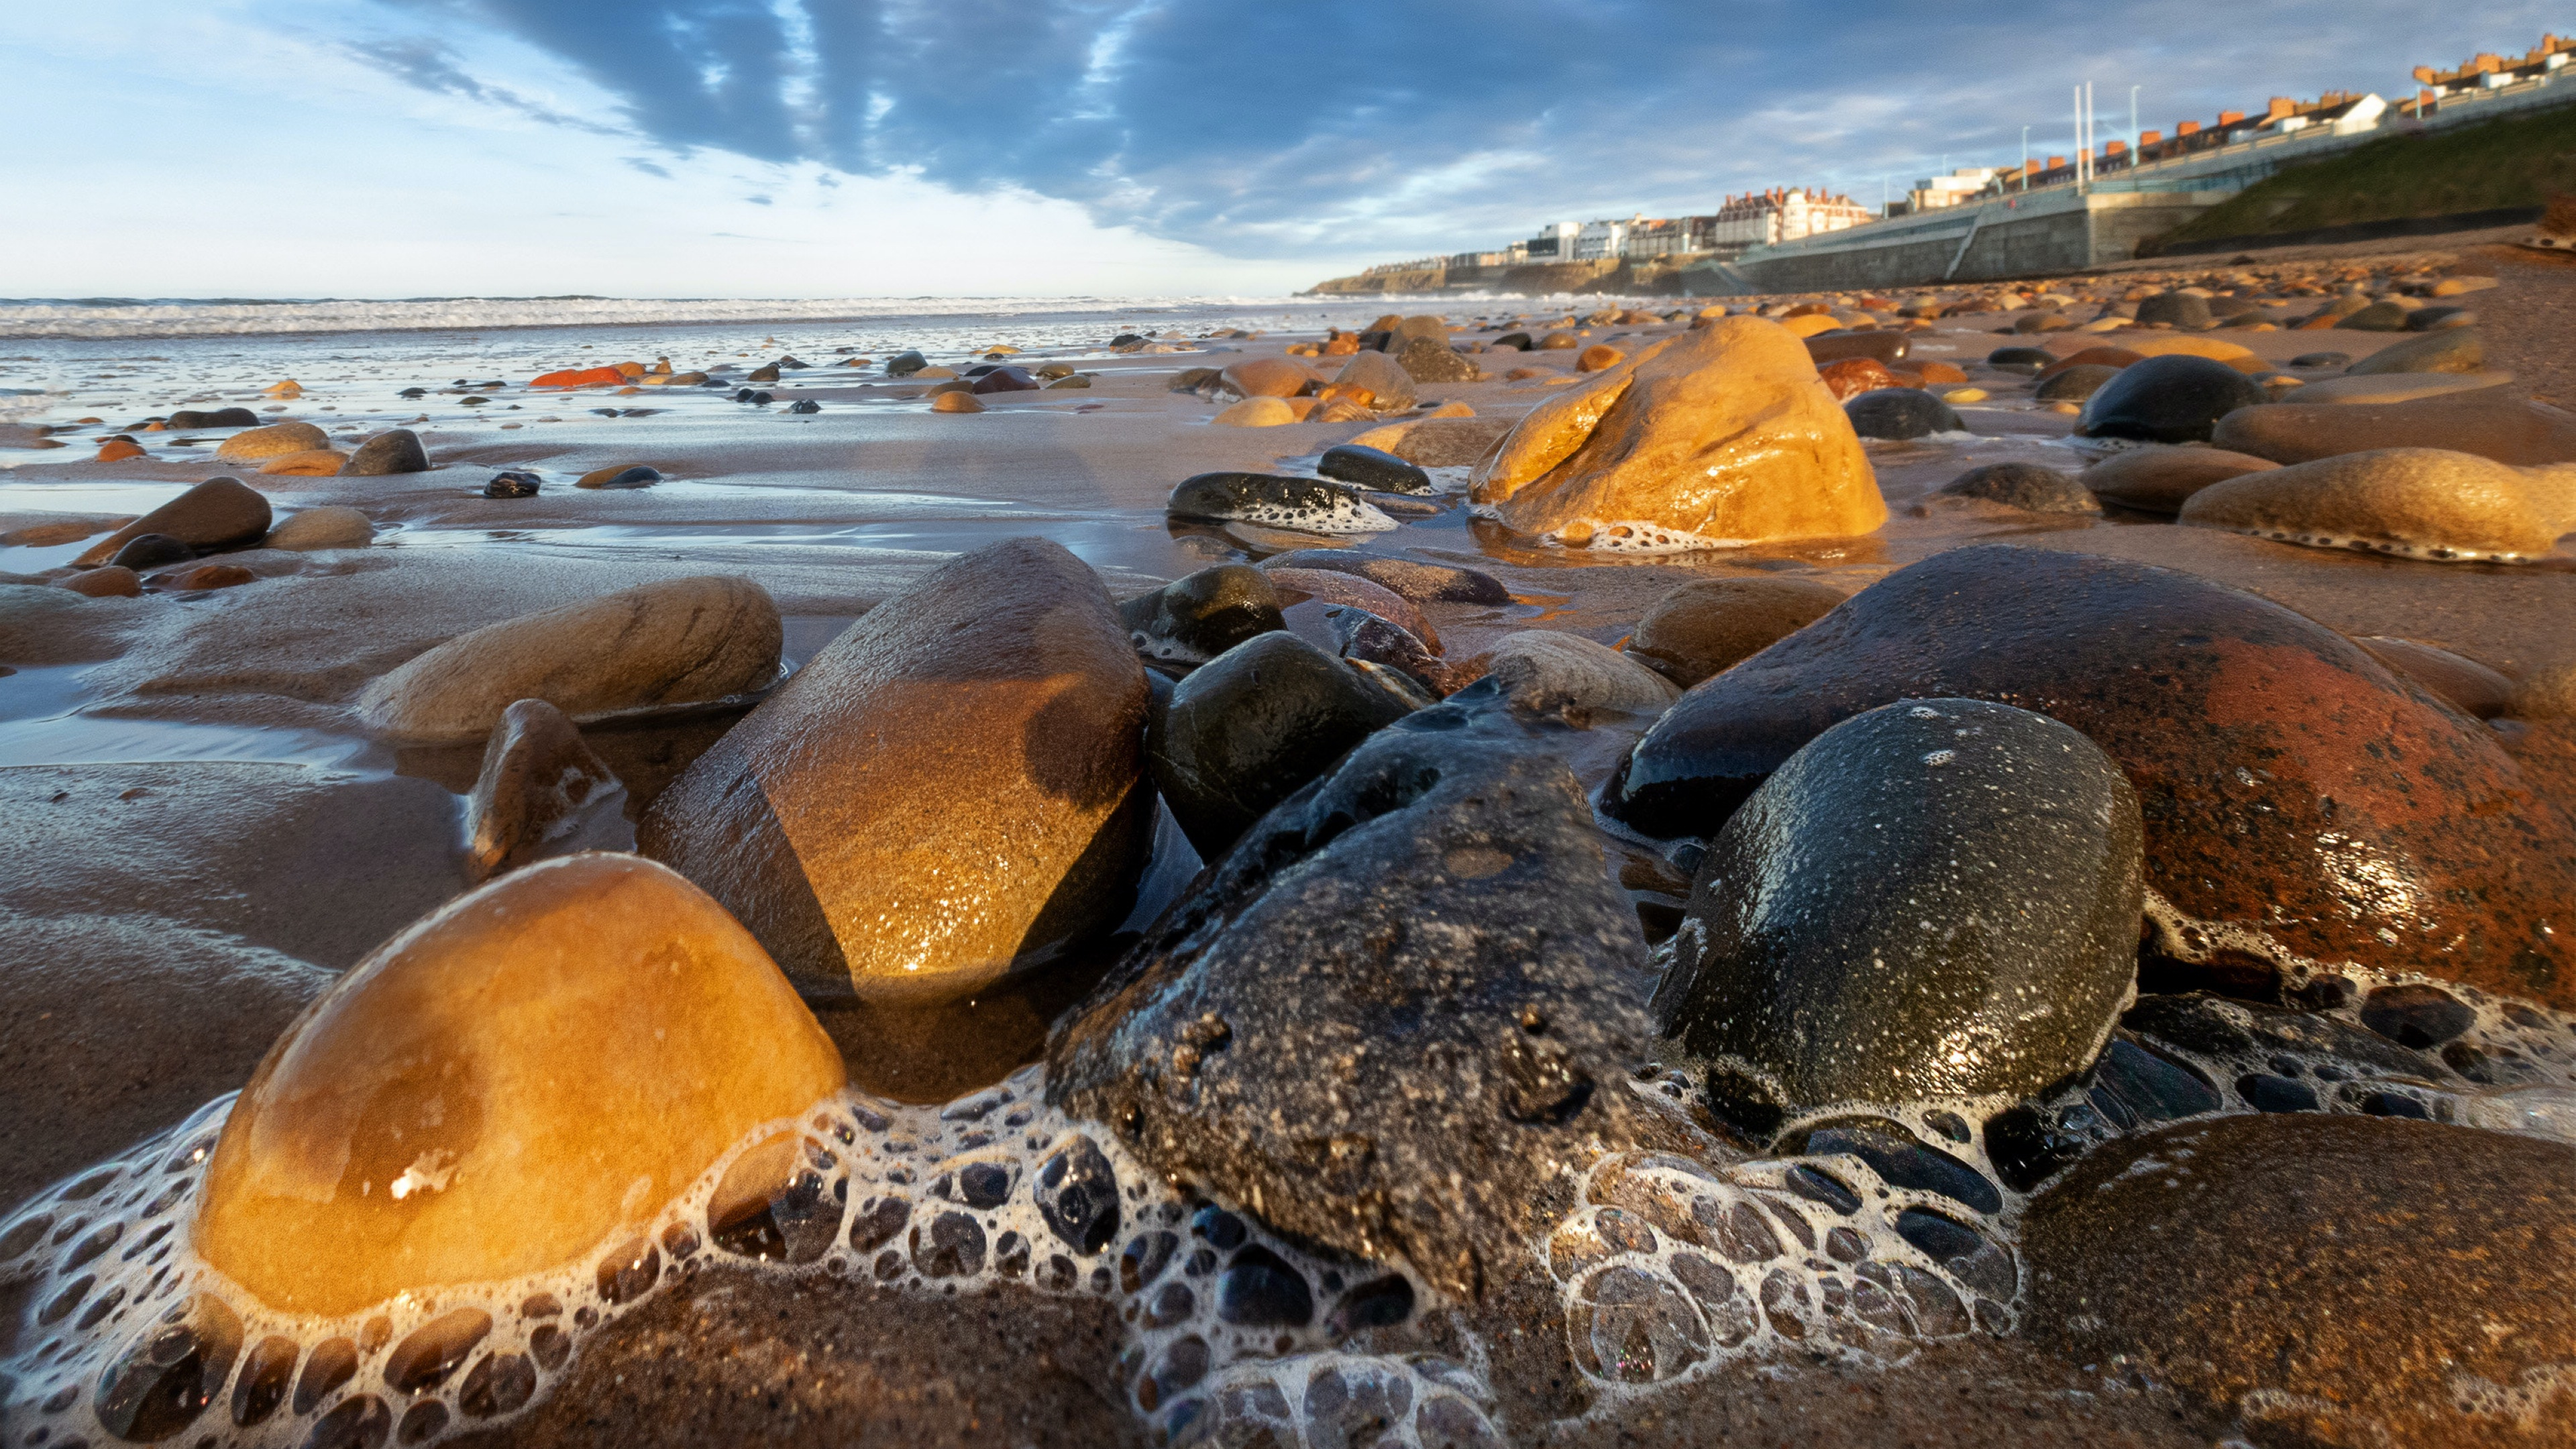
{"x": 2515, "y": 161}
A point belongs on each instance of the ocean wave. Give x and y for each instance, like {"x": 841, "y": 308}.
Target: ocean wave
{"x": 184, "y": 317}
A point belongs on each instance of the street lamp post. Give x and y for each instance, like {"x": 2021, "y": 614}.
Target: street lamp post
{"x": 2024, "y": 173}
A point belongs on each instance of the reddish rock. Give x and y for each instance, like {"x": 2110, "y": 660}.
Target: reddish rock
{"x": 2464, "y": 683}
{"x": 2092, "y": 357}
{"x": 580, "y": 377}
{"x": 1886, "y": 347}
{"x": 208, "y": 576}
{"x": 2290, "y": 783}
{"x": 1598, "y": 356}
{"x": 1005, "y": 379}
{"x": 1357, "y": 592}
{"x": 1940, "y": 373}
{"x": 117, "y": 450}
{"x": 108, "y": 582}
{"x": 1853, "y": 376}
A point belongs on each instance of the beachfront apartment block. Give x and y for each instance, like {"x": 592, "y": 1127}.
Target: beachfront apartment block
{"x": 1783, "y": 213}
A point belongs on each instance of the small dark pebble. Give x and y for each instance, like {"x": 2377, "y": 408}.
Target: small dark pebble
{"x": 514, "y": 483}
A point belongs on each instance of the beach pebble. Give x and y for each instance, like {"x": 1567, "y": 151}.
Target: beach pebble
{"x": 2158, "y": 479}
{"x": 519, "y": 1057}
{"x": 2073, "y": 384}
{"x": 1437, "y": 441}
{"x": 675, "y": 642}
{"x": 1266, "y": 377}
{"x": 1423, "y": 966}
{"x": 2030, "y": 357}
{"x": 571, "y": 377}
{"x": 1517, "y": 341}
{"x": 2323, "y": 761}
{"x": 1719, "y": 433}
{"x": 2463, "y": 683}
{"x": 1243, "y": 732}
{"x": 512, "y": 483}
{"x": 805, "y": 405}
{"x": 1901, "y": 412}
{"x": 1704, "y": 627}
{"x": 1006, "y": 379}
{"x": 1598, "y": 356}
{"x": 1547, "y": 672}
{"x": 1559, "y": 342}
{"x": 107, "y": 581}
{"x": 2548, "y": 692}
{"x": 2452, "y": 349}
{"x": 319, "y": 528}
{"x": 1978, "y": 938}
{"x": 275, "y": 440}
{"x": 2175, "y": 309}
{"x": 2114, "y": 358}
{"x": 620, "y": 475}
{"x": 905, "y": 364}
{"x": 2388, "y": 315}
{"x": 1276, "y": 500}
{"x": 186, "y": 419}
{"x": 2323, "y": 1279}
{"x": 1853, "y": 376}
{"x": 2174, "y": 398}
{"x": 956, "y": 402}
{"x": 2336, "y": 360}
{"x": 1386, "y": 654}
{"x": 316, "y": 463}
{"x": 1426, "y": 359}
{"x": 2173, "y": 344}
{"x": 151, "y": 551}
{"x": 2391, "y": 387}
{"x": 1256, "y": 412}
{"x": 1409, "y": 578}
{"x": 2484, "y": 423}
{"x": 396, "y": 450}
{"x": 1372, "y": 468}
{"x": 952, "y": 785}
{"x": 1193, "y": 619}
{"x": 2026, "y": 486}
{"x": 1353, "y": 591}
{"x": 1884, "y": 348}
{"x": 118, "y": 450}
{"x": 537, "y": 783}
{"x": 1963, "y": 395}
{"x": 217, "y": 513}
{"x": 1079, "y": 379}
{"x": 2421, "y": 502}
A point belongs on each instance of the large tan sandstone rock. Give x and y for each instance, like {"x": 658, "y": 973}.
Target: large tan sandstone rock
{"x": 951, "y": 787}
{"x": 2422, "y": 501}
{"x": 675, "y": 642}
{"x": 274, "y": 441}
{"x": 1267, "y": 377}
{"x": 1725, "y": 433}
{"x": 538, "y": 1066}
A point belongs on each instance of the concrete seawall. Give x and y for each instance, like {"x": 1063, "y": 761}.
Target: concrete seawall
{"x": 2050, "y": 231}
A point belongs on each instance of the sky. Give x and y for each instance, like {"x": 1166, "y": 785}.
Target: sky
{"x": 845, "y": 148}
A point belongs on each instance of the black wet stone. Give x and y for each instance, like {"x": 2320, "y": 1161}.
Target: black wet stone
{"x": 2025, "y": 486}
{"x": 2020, "y": 357}
{"x": 1898, "y": 1159}
{"x": 185, "y": 419}
{"x": 904, "y": 364}
{"x": 1077, "y": 1194}
{"x": 1372, "y": 468}
{"x": 1244, "y": 732}
{"x": 512, "y": 483}
{"x": 2075, "y": 384}
{"x": 2217, "y": 1029}
{"x": 151, "y": 551}
{"x": 2322, "y": 359}
{"x": 1901, "y": 412}
{"x": 1936, "y": 898}
{"x": 1378, "y": 1303}
{"x": 1519, "y": 340}
{"x": 396, "y": 450}
{"x": 2392, "y": 1104}
{"x": 2132, "y": 1085}
{"x": 2028, "y": 1145}
{"x": 2172, "y": 399}
{"x": 1373, "y": 953}
{"x": 1961, "y": 1249}
{"x": 1259, "y": 1290}
{"x": 1199, "y": 616}
{"x": 805, "y": 405}
{"x": 1220, "y": 1229}
{"x": 413, "y": 392}
{"x": 2175, "y": 309}
{"x": 981, "y": 1185}
{"x": 2265, "y": 1092}
{"x": 1272, "y": 498}
{"x": 2416, "y": 1016}
{"x": 639, "y": 476}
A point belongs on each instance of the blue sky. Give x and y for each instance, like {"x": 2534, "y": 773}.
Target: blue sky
{"x": 1118, "y": 147}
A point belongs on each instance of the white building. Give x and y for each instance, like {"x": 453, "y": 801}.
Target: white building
{"x": 1783, "y": 214}
{"x": 1933, "y": 192}
{"x": 1602, "y": 240}
{"x": 1554, "y": 242}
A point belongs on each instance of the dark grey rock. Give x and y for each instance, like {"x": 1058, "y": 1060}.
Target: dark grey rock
{"x": 1519, "y": 341}
{"x": 1901, "y": 412}
{"x": 2416, "y": 1015}
{"x": 184, "y": 419}
{"x": 2377, "y": 317}
{"x": 805, "y": 405}
{"x": 2422, "y": 319}
{"x": 1411, "y": 578}
{"x": 2025, "y": 486}
{"x": 151, "y": 551}
{"x": 513, "y": 483}
{"x": 1390, "y": 385}
{"x": 2445, "y": 349}
{"x": 1426, "y": 360}
{"x": 1193, "y": 619}
{"x": 1939, "y": 897}
{"x": 1356, "y": 636}
{"x": 766, "y": 372}
{"x": 2176, "y": 309}
{"x": 2075, "y": 384}
{"x": 1243, "y": 733}
{"x": 2322, "y": 359}
{"x": 2172, "y": 399}
{"x": 2020, "y": 357}
{"x": 1372, "y": 468}
{"x": 905, "y": 364}
{"x": 1278, "y": 501}
{"x": 1388, "y": 1016}
{"x": 396, "y": 450}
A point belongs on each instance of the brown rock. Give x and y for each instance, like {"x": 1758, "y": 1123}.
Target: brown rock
{"x": 2425, "y": 502}
{"x": 1355, "y": 591}
{"x": 2464, "y": 683}
{"x": 117, "y": 450}
{"x": 49, "y": 535}
{"x": 1939, "y": 374}
{"x": 2159, "y": 479}
{"x": 542, "y": 1064}
{"x": 207, "y": 576}
{"x": 1598, "y": 356}
{"x": 2092, "y": 357}
{"x": 676, "y": 642}
{"x": 1409, "y": 578}
{"x": 1722, "y": 433}
{"x": 2333, "y": 1280}
{"x": 2519, "y": 433}
{"x": 961, "y": 401}
{"x": 2271, "y": 755}
{"x": 1885, "y": 347}
{"x": 537, "y": 780}
{"x": 311, "y": 463}
{"x": 273, "y": 441}
{"x": 1853, "y": 376}
{"x": 217, "y": 513}
{"x": 1267, "y": 377}
{"x": 1702, "y": 628}
{"x": 948, "y": 790}
{"x": 107, "y": 581}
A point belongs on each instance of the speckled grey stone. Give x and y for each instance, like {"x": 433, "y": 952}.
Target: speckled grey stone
{"x": 2026, "y": 486}
{"x": 1939, "y": 897}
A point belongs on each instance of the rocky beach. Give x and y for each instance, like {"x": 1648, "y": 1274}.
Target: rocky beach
{"x": 1976, "y": 864}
